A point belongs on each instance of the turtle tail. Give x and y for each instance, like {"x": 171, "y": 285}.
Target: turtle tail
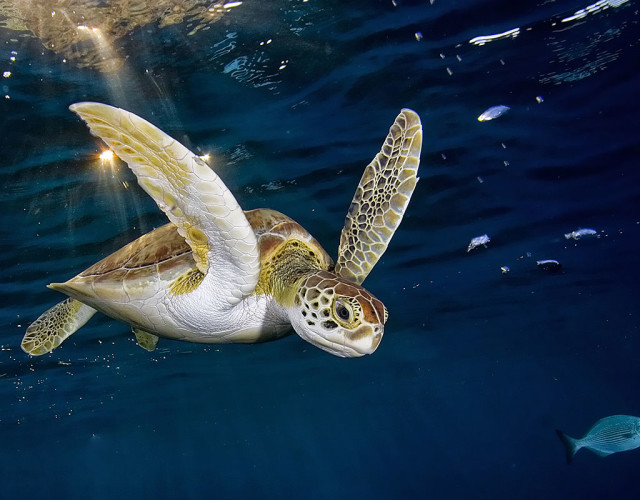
{"x": 55, "y": 325}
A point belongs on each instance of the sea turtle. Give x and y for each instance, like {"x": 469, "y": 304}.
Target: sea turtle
{"x": 216, "y": 274}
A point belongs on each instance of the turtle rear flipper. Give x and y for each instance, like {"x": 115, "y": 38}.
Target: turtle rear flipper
{"x": 55, "y": 325}
{"x": 148, "y": 341}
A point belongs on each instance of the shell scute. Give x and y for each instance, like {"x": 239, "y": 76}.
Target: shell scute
{"x": 110, "y": 276}
{"x": 160, "y": 245}
{"x": 273, "y": 229}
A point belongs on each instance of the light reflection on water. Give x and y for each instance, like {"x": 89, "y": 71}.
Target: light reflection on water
{"x": 85, "y": 32}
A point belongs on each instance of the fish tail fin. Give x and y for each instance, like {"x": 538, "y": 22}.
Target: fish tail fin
{"x": 571, "y": 445}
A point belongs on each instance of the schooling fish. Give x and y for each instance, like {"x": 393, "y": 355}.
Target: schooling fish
{"x": 493, "y": 112}
{"x": 581, "y": 233}
{"x": 550, "y": 265}
{"x": 477, "y": 241}
{"x": 608, "y": 435}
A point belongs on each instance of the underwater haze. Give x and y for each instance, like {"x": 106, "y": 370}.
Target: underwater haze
{"x": 487, "y": 350}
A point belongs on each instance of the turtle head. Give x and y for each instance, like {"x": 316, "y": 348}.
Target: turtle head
{"x": 337, "y": 315}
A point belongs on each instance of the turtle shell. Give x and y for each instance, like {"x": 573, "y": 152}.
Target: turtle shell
{"x": 152, "y": 263}
{"x": 286, "y": 248}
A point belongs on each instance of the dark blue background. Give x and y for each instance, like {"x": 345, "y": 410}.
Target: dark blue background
{"x": 476, "y": 368}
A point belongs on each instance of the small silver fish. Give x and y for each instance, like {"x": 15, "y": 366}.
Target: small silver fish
{"x": 477, "y": 241}
{"x": 550, "y": 265}
{"x": 581, "y": 233}
{"x": 493, "y": 112}
{"x": 608, "y": 435}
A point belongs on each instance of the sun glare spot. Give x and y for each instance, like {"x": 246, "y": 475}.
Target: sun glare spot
{"x": 107, "y": 157}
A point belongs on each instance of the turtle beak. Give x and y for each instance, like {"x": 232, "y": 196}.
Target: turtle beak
{"x": 364, "y": 340}
{"x": 355, "y": 344}
{"x": 376, "y": 338}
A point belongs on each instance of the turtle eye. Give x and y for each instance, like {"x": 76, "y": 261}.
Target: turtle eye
{"x": 343, "y": 311}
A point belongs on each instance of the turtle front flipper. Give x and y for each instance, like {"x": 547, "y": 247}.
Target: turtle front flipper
{"x": 192, "y": 196}
{"x": 380, "y": 199}
{"x": 55, "y": 325}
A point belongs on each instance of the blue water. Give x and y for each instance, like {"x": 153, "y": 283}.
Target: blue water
{"x": 292, "y": 99}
